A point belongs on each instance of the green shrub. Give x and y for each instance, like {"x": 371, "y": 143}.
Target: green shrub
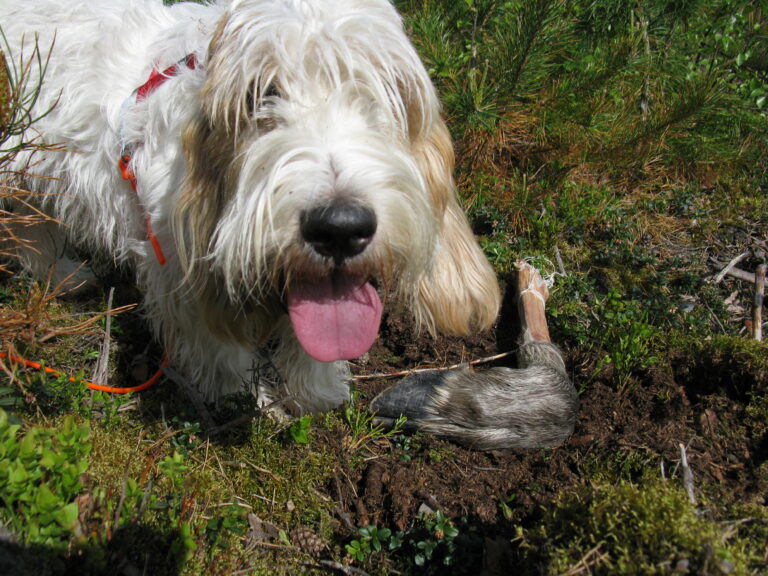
{"x": 40, "y": 478}
{"x": 626, "y": 335}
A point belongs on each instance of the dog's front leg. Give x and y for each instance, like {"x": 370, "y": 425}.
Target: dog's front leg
{"x": 310, "y": 386}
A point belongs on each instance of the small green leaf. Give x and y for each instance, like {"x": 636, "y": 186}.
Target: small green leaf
{"x": 299, "y": 430}
{"x": 29, "y": 444}
{"x": 45, "y": 500}
{"x": 18, "y": 475}
{"x": 66, "y": 517}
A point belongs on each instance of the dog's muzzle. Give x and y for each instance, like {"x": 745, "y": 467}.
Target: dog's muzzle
{"x": 338, "y": 231}
{"x": 336, "y": 316}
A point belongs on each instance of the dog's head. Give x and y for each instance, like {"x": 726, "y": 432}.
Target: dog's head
{"x": 319, "y": 178}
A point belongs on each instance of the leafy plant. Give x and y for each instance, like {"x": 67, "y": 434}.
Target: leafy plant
{"x": 372, "y": 540}
{"x": 188, "y": 436}
{"x": 300, "y": 428}
{"x": 40, "y": 476}
{"x": 219, "y": 529}
{"x": 185, "y": 544}
{"x": 431, "y": 542}
{"x": 626, "y": 335}
{"x": 10, "y": 398}
{"x": 174, "y": 468}
{"x": 404, "y": 444}
{"x": 439, "y": 535}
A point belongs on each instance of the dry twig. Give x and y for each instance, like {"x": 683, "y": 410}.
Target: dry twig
{"x": 403, "y": 373}
{"x": 757, "y": 308}
{"x": 687, "y": 475}
{"x": 337, "y": 567}
{"x": 727, "y": 270}
{"x": 100, "y": 372}
{"x": 739, "y": 274}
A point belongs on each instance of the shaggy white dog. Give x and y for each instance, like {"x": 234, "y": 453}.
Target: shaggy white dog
{"x": 283, "y": 169}
{"x": 290, "y": 159}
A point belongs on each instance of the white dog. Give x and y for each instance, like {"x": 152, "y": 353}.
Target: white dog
{"x": 283, "y": 169}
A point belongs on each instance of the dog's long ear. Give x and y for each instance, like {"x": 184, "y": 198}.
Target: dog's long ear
{"x": 208, "y": 155}
{"x": 460, "y": 293}
{"x": 202, "y": 198}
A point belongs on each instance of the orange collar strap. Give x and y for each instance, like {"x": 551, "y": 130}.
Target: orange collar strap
{"x": 155, "y": 80}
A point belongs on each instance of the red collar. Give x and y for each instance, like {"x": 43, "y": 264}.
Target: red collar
{"x": 155, "y": 80}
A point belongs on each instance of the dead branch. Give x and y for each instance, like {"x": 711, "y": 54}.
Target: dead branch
{"x": 738, "y": 273}
{"x": 687, "y": 475}
{"x": 757, "y": 308}
{"x": 403, "y": 373}
{"x": 591, "y": 558}
{"x": 100, "y": 372}
{"x": 33, "y": 318}
{"x": 337, "y": 567}
{"x": 729, "y": 267}
{"x": 81, "y": 327}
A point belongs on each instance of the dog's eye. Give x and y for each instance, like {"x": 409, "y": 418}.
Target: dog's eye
{"x": 258, "y": 96}
{"x": 250, "y": 101}
{"x": 271, "y": 92}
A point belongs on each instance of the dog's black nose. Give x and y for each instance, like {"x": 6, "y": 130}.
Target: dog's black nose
{"x": 340, "y": 230}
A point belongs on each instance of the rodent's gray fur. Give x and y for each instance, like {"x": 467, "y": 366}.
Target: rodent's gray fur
{"x": 531, "y": 406}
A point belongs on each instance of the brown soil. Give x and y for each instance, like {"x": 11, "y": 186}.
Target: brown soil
{"x": 636, "y": 429}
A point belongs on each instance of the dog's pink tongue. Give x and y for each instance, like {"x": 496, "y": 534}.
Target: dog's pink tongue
{"x": 335, "y": 318}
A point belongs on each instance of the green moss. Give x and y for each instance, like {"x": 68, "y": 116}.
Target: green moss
{"x": 277, "y": 477}
{"x": 203, "y": 492}
{"x": 732, "y": 363}
{"x": 625, "y": 528}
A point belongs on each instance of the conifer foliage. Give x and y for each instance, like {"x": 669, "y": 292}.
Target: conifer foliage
{"x": 548, "y": 88}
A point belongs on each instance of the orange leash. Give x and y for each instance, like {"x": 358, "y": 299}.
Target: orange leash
{"x": 91, "y": 385}
{"x": 127, "y": 174}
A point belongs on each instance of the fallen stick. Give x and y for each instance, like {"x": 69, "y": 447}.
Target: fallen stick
{"x": 101, "y": 369}
{"x": 730, "y": 266}
{"x": 757, "y": 309}
{"x": 402, "y": 373}
{"x": 687, "y": 475}
{"x": 740, "y": 274}
{"x": 336, "y": 567}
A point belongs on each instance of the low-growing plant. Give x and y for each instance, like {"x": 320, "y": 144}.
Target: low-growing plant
{"x": 220, "y": 529}
{"x": 626, "y": 335}
{"x": 625, "y": 528}
{"x": 436, "y": 540}
{"x": 300, "y": 428}
{"x": 372, "y": 540}
{"x": 174, "y": 468}
{"x": 40, "y": 477}
{"x": 429, "y": 545}
{"x": 10, "y": 398}
{"x": 363, "y": 428}
{"x": 188, "y": 436}
{"x": 404, "y": 444}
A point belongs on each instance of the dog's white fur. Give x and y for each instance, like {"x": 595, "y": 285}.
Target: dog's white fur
{"x": 294, "y": 103}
